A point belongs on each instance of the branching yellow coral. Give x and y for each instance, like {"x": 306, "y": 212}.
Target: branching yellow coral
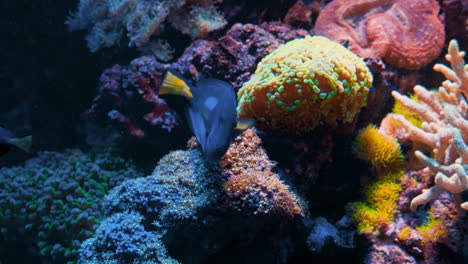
{"x": 444, "y": 128}
{"x": 305, "y": 81}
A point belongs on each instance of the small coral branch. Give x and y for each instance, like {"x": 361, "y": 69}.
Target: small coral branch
{"x": 444, "y": 128}
{"x": 452, "y": 178}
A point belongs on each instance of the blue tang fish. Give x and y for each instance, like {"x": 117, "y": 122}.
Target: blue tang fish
{"x": 8, "y": 142}
{"x": 211, "y": 111}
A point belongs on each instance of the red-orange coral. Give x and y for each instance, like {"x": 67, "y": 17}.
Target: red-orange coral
{"x": 406, "y": 34}
{"x": 251, "y": 183}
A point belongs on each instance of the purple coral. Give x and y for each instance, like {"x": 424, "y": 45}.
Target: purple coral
{"x": 123, "y": 89}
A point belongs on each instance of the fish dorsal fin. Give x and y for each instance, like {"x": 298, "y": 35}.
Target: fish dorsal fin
{"x": 173, "y": 84}
{"x": 244, "y": 123}
{"x": 23, "y": 143}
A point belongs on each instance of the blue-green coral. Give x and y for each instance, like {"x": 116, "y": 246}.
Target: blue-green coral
{"x": 122, "y": 238}
{"x": 174, "y": 196}
{"x": 54, "y": 199}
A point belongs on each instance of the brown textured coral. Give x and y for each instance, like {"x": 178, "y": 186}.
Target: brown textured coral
{"x": 406, "y": 34}
{"x": 251, "y": 183}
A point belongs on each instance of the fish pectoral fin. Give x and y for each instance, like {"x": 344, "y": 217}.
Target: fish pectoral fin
{"x": 244, "y": 123}
{"x": 173, "y": 84}
{"x": 23, "y": 143}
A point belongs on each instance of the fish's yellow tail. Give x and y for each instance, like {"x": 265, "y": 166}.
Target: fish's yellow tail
{"x": 245, "y": 123}
{"x": 173, "y": 84}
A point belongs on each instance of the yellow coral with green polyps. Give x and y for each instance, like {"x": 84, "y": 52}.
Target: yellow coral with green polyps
{"x": 303, "y": 82}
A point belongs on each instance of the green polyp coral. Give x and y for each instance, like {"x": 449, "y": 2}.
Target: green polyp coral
{"x": 53, "y": 200}
{"x": 305, "y": 81}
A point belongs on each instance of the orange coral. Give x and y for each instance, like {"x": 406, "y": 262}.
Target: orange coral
{"x": 406, "y": 34}
{"x": 251, "y": 184}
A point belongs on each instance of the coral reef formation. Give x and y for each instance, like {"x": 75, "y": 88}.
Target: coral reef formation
{"x": 324, "y": 233}
{"x": 234, "y": 56}
{"x": 124, "y": 90}
{"x": 180, "y": 208}
{"x": 168, "y": 193}
{"x": 142, "y": 19}
{"x": 405, "y": 34}
{"x": 430, "y": 122}
{"x": 303, "y": 82}
{"x": 176, "y": 193}
{"x": 123, "y": 237}
{"x": 57, "y": 208}
{"x": 444, "y": 129}
{"x": 120, "y": 88}
{"x": 383, "y": 153}
{"x": 197, "y": 21}
{"x": 386, "y": 215}
{"x": 53, "y": 201}
{"x": 252, "y": 185}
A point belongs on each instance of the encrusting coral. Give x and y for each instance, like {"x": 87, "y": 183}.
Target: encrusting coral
{"x": 303, "y": 82}
{"x": 142, "y": 19}
{"x": 406, "y": 34}
{"x": 251, "y": 182}
{"x": 444, "y": 129}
